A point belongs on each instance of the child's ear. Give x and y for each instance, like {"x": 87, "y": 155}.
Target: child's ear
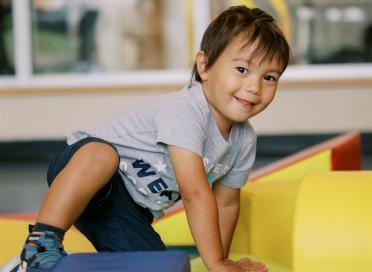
{"x": 201, "y": 65}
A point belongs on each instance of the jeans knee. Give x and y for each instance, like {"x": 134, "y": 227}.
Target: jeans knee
{"x": 100, "y": 154}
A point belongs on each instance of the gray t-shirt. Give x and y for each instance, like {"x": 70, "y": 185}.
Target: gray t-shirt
{"x": 142, "y": 132}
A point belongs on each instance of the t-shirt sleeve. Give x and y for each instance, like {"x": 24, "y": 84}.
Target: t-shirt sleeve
{"x": 179, "y": 123}
{"x": 239, "y": 172}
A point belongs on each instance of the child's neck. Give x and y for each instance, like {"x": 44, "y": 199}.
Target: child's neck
{"x": 223, "y": 126}
{"x": 226, "y": 135}
{"x": 225, "y": 131}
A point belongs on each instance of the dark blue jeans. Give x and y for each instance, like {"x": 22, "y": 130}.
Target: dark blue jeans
{"x": 112, "y": 221}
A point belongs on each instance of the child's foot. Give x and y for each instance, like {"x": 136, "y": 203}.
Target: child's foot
{"x": 41, "y": 250}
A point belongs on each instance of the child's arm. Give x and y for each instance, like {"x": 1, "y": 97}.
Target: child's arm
{"x": 228, "y": 202}
{"x": 202, "y": 213}
{"x": 200, "y": 206}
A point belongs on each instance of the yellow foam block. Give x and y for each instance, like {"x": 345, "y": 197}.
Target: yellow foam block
{"x": 333, "y": 227}
{"x": 13, "y": 234}
{"x": 318, "y": 162}
{"x": 174, "y": 230}
{"x": 197, "y": 264}
{"x": 265, "y": 226}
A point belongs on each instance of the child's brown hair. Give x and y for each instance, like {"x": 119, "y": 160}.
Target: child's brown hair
{"x": 256, "y": 24}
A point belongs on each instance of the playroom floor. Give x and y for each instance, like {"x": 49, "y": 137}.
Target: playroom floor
{"x": 23, "y": 185}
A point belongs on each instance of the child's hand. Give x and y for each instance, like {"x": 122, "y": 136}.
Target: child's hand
{"x": 250, "y": 265}
{"x": 227, "y": 266}
{"x": 243, "y": 265}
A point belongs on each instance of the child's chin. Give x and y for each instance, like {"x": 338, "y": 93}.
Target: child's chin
{"x": 242, "y": 119}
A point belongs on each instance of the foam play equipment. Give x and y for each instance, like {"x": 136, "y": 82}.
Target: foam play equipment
{"x": 330, "y": 228}
{"x": 149, "y": 261}
{"x": 268, "y": 201}
{"x": 271, "y": 201}
{"x": 13, "y": 233}
{"x": 344, "y": 153}
{"x": 266, "y": 227}
{"x": 330, "y": 155}
{"x": 333, "y": 223}
{"x": 264, "y": 204}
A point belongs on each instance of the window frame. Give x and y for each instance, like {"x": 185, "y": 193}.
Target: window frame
{"x": 25, "y": 79}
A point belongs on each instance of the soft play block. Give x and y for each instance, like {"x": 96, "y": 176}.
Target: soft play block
{"x": 339, "y": 153}
{"x": 143, "y": 261}
{"x": 332, "y": 224}
{"x": 265, "y": 225}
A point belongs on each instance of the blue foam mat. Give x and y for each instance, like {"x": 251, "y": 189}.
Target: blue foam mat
{"x": 142, "y": 261}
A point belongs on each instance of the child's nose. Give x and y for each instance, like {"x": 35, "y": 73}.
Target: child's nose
{"x": 254, "y": 87}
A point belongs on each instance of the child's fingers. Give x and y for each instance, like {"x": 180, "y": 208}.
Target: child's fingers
{"x": 251, "y": 265}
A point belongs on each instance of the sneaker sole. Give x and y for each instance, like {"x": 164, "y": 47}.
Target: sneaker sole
{"x": 12, "y": 264}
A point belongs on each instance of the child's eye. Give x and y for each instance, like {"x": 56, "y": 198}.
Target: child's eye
{"x": 241, "y": 70}
{"x": 270, "y": 78}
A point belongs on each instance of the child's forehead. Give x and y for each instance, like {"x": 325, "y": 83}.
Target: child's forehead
{"x": 241, "y": 44}
{"x": 240, "y": 47}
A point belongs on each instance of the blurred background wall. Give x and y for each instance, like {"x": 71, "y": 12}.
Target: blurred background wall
{"x": 66, "y": 64}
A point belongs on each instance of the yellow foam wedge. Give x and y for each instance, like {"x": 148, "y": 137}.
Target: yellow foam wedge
{"x": 333, "y": 228}
{"x": 265, "y": 226}
{"x": 174, "y": 230}
{"x": 317, "y": 162}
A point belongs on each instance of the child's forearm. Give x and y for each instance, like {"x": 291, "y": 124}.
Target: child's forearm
{"x": 200, "y": 204}
{"x": 202, "y": 215}
{"x": 228, "y": 217}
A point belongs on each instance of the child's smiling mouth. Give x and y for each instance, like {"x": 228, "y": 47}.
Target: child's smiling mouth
{"x": 245, "y": 103}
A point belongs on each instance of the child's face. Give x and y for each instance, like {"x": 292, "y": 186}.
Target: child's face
{"x": 238, "y": 86}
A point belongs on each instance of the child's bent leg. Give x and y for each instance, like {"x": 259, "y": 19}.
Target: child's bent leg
{"x": 90, "y": 168}
{"x": 77, "y": 174}
{"x": 118, "y": 223}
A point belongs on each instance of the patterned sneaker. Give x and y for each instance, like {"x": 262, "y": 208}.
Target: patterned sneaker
{"x": 41, "y": 252}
